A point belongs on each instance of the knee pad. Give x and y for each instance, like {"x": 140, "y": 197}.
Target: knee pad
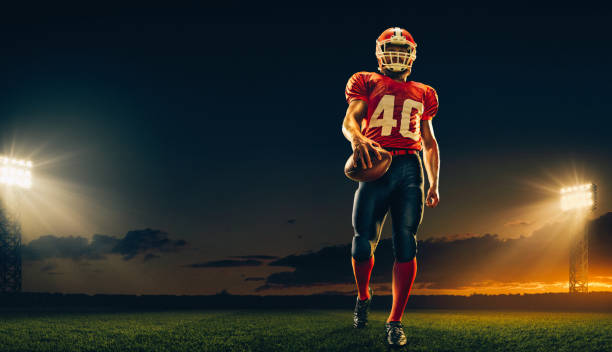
{"x": 406, "y": 249}
{"x": 361, "y": 249}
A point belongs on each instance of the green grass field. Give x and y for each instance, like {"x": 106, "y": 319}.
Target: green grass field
{"x": 302, "y": 330}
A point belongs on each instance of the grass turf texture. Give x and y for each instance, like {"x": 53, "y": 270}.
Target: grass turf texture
{"x": 302, "y": 330}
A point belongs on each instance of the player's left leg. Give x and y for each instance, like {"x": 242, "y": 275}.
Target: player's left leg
{"x": 406, "y": 213}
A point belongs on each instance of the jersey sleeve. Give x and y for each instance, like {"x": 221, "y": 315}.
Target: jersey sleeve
{"x": 431, "y": 104}
{"x": 357, "y": 88}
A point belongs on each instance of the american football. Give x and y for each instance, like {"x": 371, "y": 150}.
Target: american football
{"x": 359, "y": 174}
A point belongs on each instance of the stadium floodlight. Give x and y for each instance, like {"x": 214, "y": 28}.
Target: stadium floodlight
{"x": 15, "y": 172}
{"x": 578, "y": 197}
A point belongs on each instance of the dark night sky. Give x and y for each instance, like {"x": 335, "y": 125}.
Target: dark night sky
{"x": 219, "y": 126}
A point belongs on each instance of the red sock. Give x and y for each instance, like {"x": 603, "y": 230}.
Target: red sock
{"x": 362, "y": 271}
{"x": 403, "y": 277}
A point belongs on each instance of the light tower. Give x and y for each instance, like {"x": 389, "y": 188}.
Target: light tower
{"x": 13, "y": 173}
{"x": 579, "y": 201}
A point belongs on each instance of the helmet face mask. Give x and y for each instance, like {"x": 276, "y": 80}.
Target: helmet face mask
{"x": 397, "y": 60}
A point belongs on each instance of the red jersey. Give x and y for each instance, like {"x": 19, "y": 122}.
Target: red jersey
{"x": 395, "y": 109}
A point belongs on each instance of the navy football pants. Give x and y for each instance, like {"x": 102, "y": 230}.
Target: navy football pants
{"x": 400, "y": 190}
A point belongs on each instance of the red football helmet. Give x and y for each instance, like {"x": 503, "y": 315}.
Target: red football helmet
{"x": 396, "y": 61}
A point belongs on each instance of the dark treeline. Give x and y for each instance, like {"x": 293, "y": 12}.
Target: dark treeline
{"x": 596, "y": 301}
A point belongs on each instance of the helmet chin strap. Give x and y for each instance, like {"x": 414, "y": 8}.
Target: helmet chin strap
{"x": 394, "y": 73}
{"x": 383, "y": 70}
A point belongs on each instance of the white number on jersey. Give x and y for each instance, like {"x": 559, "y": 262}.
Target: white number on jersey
{"x": 385, "y": 108}
{"x": 408, "y": 121}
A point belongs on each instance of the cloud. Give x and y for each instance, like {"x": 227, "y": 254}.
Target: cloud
{"x": 328, "y": 265}
{"x": 251, "y": 260}
{"x": 455, "y": 237}
{"x": 51, "y": 246}
{"x": 263, "y": 257}
{"x": 140, "y": 241}
{"x": 101, "y": 245}
{"x": 255, "y": 279}
{"x": 150, "y": 256}
{"x": 80, "y": 248}
{"x": 458, "y": 261}
{"x": 518, "y": 223}
{"x": 224, "y": 263}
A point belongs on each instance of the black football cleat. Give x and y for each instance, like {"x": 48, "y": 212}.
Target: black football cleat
{"x": 362, "y": 308}
{"x": 395, "y": 334}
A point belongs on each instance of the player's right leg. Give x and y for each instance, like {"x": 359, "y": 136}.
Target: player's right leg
{"x": 370, "y": 208}
{"x": 369, "y": 212}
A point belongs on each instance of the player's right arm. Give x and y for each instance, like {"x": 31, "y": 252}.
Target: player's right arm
{"x": 351, "y": 129}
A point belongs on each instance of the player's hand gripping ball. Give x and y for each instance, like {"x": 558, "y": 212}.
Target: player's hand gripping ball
{"x": 356, "y": 167}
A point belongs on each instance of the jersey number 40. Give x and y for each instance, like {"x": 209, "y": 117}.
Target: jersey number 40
{"x": 409, "y": 125}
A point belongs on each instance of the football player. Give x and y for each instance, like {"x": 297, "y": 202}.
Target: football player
{"x": 388, "y": 111}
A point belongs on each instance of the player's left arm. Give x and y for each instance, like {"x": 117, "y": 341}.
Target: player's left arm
{"x": 431, "y": 156}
